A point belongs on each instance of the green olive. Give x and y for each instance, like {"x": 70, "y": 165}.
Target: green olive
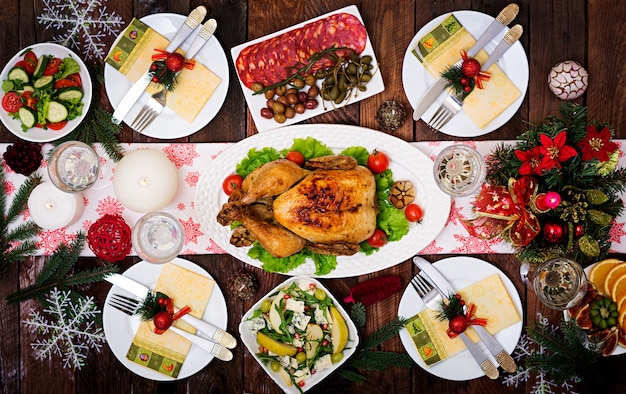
{"x": 256, "y": 86}
{"x": 289, "y": 112}
{"x": 320, "y": 294}
{"x": 301, "y": 357}
{"x": 309, "y": 80}
{"x": 281, "y": 90}
{"x": 336, "y": 357}
{"x": 298, "y": 83}
{"x": 278, "y": 107}
{"x": 275, "y": 365}
{"x": 266, "y": 305}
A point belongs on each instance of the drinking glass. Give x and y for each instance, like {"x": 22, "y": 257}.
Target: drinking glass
{"x": 158, "y": 237}
{"x": 459, "y": 170}
{"x": 73, "y": 166}
{"x": 560, "y": 283}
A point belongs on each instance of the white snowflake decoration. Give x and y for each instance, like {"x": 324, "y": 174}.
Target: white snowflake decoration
{"x": 85, "y": 24}
{"x": 543, "y": 384}
{"x": 73, "y": 329}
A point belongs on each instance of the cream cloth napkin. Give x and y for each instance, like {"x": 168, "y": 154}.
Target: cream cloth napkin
{"x": 493, "y": 303}
{"x": 132, "y": 56}
{"x": 166, "y": 353}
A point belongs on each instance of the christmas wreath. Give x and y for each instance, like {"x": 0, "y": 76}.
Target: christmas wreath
{"x": 555, "y": 193}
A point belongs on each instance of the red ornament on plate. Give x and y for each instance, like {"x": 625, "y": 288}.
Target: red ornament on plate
{"x": 163, "y": 320}
{"x": 175, "y": 62}
{"x": 470, "y": 67}
{"x": 458, "y": 324}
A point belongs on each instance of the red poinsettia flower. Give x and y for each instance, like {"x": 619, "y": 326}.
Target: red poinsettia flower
{"x": 531, "y": 160}
{"x": 555, "y": 151}
{"x": 597, "y": 145}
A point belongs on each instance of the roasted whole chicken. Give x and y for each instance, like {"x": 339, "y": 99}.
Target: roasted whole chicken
{"x": 329, "y": 206}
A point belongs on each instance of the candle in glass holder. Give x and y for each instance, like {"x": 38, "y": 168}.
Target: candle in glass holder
{"x": 73, "y": 166}
{"x": 50, "y": 208}
{"x": 145, "y": 180}
{"x": 158, "y": 237}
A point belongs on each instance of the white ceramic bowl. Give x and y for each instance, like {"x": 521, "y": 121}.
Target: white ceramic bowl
{"x": 36, "y": 134}
{"x": 248, "y": 337}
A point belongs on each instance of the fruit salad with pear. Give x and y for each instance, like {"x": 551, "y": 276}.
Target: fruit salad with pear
{"x": 300, "y": 332}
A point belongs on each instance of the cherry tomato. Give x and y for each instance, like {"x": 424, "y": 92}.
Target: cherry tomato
{"x": 76, "y": 79}
{"x": 26, "y": 66}
{"x": 377, "y": 162}
{"x": 58, "y": 125}
{"x": 378, "y": 239}
{"x": 27, "y": 99}
{"x": 64, "y": 83}
{"x": 11, "y": 102}
{"x": 52, "y": 67}
{"x": 296, "y": 157}
{"x": 413, "y": 213}
{"x": 31, "y": 57}
{"x": 232, "y": 182}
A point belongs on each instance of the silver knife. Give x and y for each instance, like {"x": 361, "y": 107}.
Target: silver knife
{"x": 203, "y": 36}
{"x": 505, "y": 17}
{"x": 130, "y": 98}
{"x": 208, "y": 330}
{"x": 445, "y": 289}
{"x": 509, "y": 39}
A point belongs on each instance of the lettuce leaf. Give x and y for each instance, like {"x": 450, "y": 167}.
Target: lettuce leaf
{"x": 256, "y": 158}
{"x": 309, "y": 147}
{"x": 323, "y": 263}
{"x": 69, "y": 66}
{"x": 358, "y": 152}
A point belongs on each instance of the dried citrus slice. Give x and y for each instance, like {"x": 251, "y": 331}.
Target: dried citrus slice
{"x": 619, "y": 287}
{"x": 612, "y": 276}
{"x": 598, "y": 272}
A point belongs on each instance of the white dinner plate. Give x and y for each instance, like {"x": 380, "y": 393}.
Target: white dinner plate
{"x": 461, "y": 272}
{"x": 416, "y": 79}
{"x": 120, "y": 329}
{"x": 169, "y": 125}
{"x": 618, "y": 350}
{"x": 37, "y": 134}
{"x": 256, "y": 102}
{"x": 406, "y": 163}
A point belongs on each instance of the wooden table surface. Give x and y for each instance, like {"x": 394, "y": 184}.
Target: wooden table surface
{"x": 554, "y": 30}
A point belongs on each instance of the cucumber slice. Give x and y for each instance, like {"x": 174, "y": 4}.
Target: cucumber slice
{"x": 18, "y": 74}
{"x": 25, "y": 88}
{"x": 44, "y": 82}
{"x": 71, "y": 93}
{"x": 56, "y": 112}
{"x": 28, "y": 116}
{"x": 42, "y": 62}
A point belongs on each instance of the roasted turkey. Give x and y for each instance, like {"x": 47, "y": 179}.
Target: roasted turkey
{"x": 329, "y": 208}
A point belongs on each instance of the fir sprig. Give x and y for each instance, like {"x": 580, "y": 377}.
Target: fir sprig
{"x": 16, "y": 244}
{"x": 97, "y": 125}
{"x": 366, "y": 357}
{"x": 56, "y": 273}
{"x": 566, "y": 355}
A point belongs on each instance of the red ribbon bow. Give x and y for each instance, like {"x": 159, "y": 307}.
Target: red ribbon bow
{"x": 501, "y": 210}
{"x": 169, "y": 308}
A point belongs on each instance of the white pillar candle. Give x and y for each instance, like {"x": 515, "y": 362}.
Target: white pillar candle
{"x": 50, "y": 208}
{"x": 145, "y": 180}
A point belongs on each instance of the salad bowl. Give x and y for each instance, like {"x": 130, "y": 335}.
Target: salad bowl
{"x": 38, "y": 134}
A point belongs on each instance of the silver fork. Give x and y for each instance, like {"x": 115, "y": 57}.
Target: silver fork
{"x": 153, "y": 107}
{"x": 129, "y": 306}
{"x": 432, "y": 299}
{"x": 446, "y": 111}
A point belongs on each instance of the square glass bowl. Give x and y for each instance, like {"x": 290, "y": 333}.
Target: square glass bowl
{"x": 249, "y": 338}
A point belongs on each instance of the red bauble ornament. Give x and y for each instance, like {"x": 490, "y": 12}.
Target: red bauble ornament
{"x": 175, "y": 62}
{"x": 163, "y": 320}
{"x": 464, "y": 81}
{"x": 458, "y": 324}
{"x": 110, "y": 238}
{"x": 554, "y": 233}
{"x": 579, "y": 230}
{"x": 470, "y": 67}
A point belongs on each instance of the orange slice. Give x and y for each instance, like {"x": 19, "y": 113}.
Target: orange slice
{"x": 612, "y": 276}
{"x": 619, "y": 287}
{"x": 621, "y": 300}
{"x": 599, "y": 271}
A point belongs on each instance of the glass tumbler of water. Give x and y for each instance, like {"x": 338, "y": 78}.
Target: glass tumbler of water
{"x": 560, "y": 283}
{"x": 459, "y": 170}
{"x": 158, "y": 237}
{"x": 73, "y": 166}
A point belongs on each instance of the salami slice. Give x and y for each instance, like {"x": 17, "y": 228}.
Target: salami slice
{"x": 273, "y": 60}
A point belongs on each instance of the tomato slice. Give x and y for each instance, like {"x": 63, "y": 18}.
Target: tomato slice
{"x": 27, "y": 99}
{"x": 76, "y": 79}
{"x": 52, "y": 67}
{"x": 26, "y": 66}
{"x": 63, "y": 83}
{"x": 11, "y": 102}
{"x": 31, "y": 57}
{"x": 58, "y": 125}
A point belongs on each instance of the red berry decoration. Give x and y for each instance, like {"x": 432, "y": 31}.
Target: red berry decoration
{"x": 175, "y": 62}
{"x": 163, "y": 320}
{"x": 23, "y": 157}
{"x": 579, "y": 230}
{"x": 458, "y": 324}
{"x": 470, "y": 67}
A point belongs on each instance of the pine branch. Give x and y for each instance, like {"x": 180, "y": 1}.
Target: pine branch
{"x": 20, "y": 200}
{"x": 351, "y": 375}
{"x": 358, "y": 315}
{"x": 386, "y": 332}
